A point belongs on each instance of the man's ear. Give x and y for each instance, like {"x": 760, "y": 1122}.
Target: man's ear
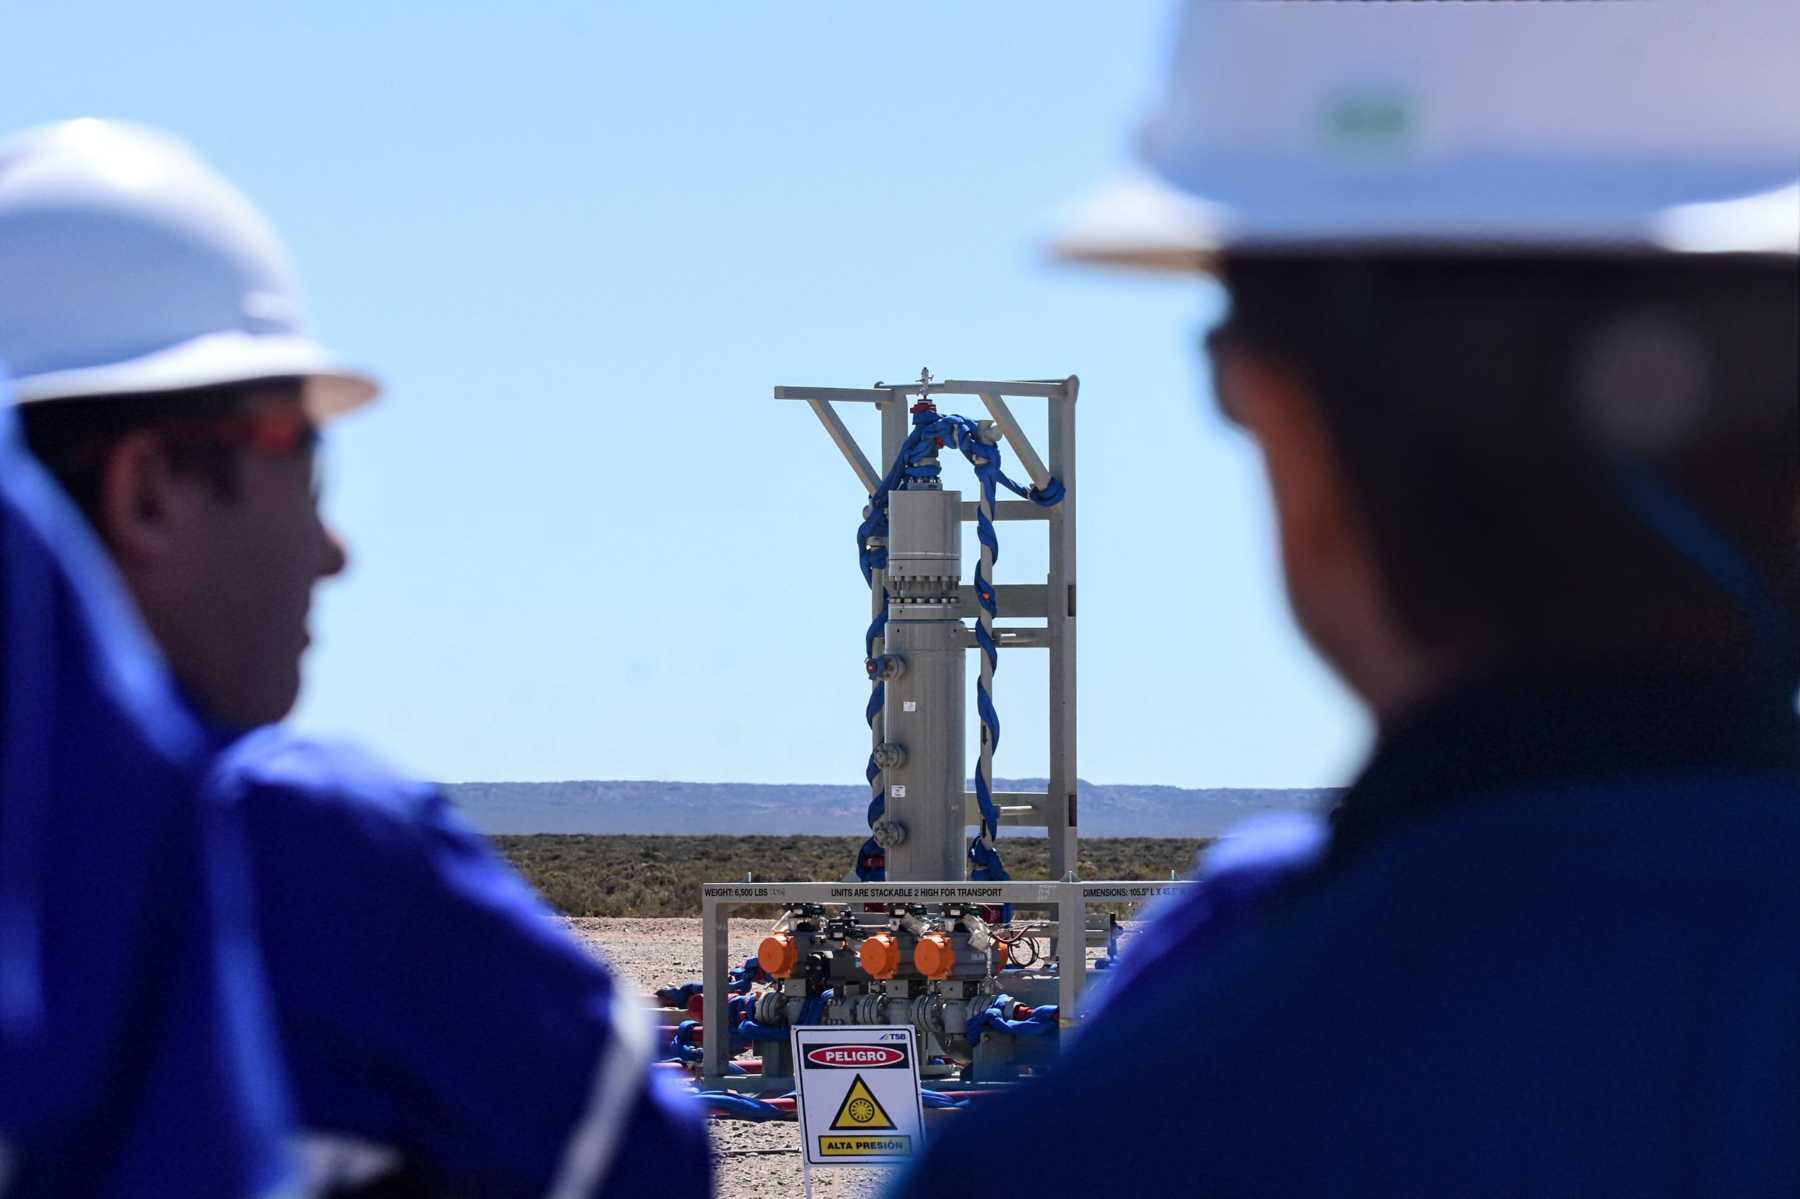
{"x": 144, "y": 504}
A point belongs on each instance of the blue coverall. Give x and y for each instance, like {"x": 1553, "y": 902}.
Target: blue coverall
{"x": 137, "y": 1055}
{"x": 1553, "y": 949}
{"x": 434, "y": 1014}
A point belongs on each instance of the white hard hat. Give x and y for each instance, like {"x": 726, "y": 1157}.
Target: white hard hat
{"x": 127, "y": 265}
{"x": 1663, "y": 126}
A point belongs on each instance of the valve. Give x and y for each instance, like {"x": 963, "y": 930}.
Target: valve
{"x": 881, "y": 955}
{"x": 935, "y": 956}
{"x": 778, "y": 955}
{"x": 912, "y": 918}
{"x": 969, "y": 920}
{"x": 885, "y": 667}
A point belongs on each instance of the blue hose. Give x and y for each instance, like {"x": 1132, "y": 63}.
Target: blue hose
{"x": 740, "y": 1107}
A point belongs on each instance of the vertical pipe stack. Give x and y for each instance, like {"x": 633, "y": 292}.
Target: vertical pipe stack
{"x": 924, "y": 713}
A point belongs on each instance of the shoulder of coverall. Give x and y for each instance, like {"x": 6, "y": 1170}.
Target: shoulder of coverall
{"x": 540, "y": 1036}
{"x": 279, "y": 761}
{"x": 1233, "y": 878}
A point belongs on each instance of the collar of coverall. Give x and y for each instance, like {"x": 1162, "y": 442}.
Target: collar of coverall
{"x": 1510, "y": 732}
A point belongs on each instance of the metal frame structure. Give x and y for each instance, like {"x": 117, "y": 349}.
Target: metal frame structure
{"x": 1051, "y": 606}
{"x": 1068, "y": 899}
{"x": 1055, "y": 810}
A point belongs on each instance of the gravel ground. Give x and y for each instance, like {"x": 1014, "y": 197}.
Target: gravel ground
{"x": 754, "y": 1161}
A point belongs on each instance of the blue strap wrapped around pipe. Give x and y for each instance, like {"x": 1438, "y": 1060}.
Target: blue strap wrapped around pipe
{"x": 1043, "y": 1022}
{"x": 677, "y": 996}
{"x": 750, "y": 1030}
{"x": 811, "y": 1012}
{"x": 682, "y": 1046}
{"x": 985, "y": 866}
{"x": 745, "y": 976}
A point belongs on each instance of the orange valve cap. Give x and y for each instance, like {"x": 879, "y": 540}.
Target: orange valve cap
{"x": 881, "y": 955}
{"x": 935, "y": 957}
{"x": 778, "y": 955}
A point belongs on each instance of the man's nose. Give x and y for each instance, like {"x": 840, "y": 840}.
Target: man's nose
{"x": 336, "y": 554}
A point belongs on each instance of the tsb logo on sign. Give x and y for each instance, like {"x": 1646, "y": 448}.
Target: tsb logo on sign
{"x": 856, "y": 1057}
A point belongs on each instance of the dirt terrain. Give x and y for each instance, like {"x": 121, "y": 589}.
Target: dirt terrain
{"x": 753, "y": 1160}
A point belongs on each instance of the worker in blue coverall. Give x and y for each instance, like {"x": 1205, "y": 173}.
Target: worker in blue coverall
{"x": 1514, "y": 319}
{"x": 442, "y": 1032}
{"x": 137, "y": 1046}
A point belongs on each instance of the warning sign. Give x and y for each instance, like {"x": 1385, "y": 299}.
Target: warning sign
{"x": 858, "y": 1091}
{"x": 860, "y": 1110}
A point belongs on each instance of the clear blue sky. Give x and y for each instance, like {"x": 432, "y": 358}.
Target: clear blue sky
{"x": 582, "y": 241}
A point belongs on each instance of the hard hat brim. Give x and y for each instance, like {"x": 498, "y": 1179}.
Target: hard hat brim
{"x": 1141, "y": 222}
{"x": 331, "y": 389}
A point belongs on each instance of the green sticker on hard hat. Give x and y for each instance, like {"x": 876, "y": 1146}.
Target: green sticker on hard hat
{"x": 1367, "y": 121}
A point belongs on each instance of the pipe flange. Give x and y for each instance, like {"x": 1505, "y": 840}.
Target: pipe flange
{"x": 890, "y": 755}
{"x": 885, "y": 667}
{"x": 889, "y": 833}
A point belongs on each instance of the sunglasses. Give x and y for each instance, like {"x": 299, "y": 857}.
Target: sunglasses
{"x": 268, "y": 433}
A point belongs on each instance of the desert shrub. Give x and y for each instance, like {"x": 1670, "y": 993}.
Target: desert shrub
{"x": 588, "y": 875}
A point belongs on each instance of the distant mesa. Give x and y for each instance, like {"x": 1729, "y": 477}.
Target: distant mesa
{"x": 798, "y": 808}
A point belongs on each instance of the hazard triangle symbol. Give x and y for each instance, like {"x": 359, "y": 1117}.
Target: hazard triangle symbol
{"x": 860, "y": 1111}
